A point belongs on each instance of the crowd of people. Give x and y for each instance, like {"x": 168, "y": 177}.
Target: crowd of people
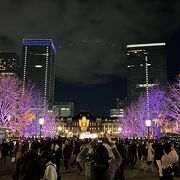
{"x": 101, "y": 158}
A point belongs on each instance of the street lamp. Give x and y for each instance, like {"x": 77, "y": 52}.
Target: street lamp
{"x": 41, "y": 122}
{"x": 59, "y": 128}
{"x": 102, "y": 133}
{"x": 66, "y": 133}
{"x": 119, "y": 129}
{"x": 148, "y": 124}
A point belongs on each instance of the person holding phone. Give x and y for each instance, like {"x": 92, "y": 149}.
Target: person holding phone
{"x": 105, "y": 162}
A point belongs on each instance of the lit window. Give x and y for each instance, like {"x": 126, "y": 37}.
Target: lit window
{"x": 38, "y": 66}
{"x": 144, "y": 85}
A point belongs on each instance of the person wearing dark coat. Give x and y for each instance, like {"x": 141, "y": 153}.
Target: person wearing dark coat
{"x": 30, "y": 165}
{"x": 58, "y": 156}
{"x": 121, "y": 148}
{"x": 4, "y": 150}
{"x": 158, "y": 153}
{"x": 67, "y": 152}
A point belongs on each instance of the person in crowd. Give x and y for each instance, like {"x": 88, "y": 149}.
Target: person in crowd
{"x": 141, "y": 150}
{"x": 57, "y": 152}
{"x": 158, "y": 153}
{"x": 67, "y": 152}
{"x": 83, "y": 144}
{"x": 150, "y": 154}
{"x": 132, "y": 153}
{"x": 102, "y": 165}
{"x": 4, "y": 150}
{"x": 122, "y": 150}
{"x": 168, "y": 159}
{"x": 75, "y": 153}
{"x": 17, "y": 150}
{"x": 50, "y": 166}
{"x": 30, "y": 165}
{"x": 10, "y": 147}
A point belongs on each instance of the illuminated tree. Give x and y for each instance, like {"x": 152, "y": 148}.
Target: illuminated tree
{"x": 135, "y": 115}
{"x": 130, "y": 123}
{"x": 17, "y": 105}
{"x": 10, "y": 93}
{"x": 174, "y": 105}
{"x": 175, "y": 100}
{"x": 48, "y": 128}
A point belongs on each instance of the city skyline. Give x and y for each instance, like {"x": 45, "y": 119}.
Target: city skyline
{"x": 90, "y": 37}
{"x": 88, "y": 106}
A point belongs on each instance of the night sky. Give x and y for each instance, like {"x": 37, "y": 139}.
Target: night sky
{"x": 90, "y": 36}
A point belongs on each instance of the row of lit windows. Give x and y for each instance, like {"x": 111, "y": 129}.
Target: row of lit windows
{"x": 7, "y": 60}
{"x": 46, "y": 69}
{"x": 130, "y": 66}
{"x": 24, "y": 73}
{"x": 65, "y": 109}
{"x": 144, "y": 85}
{"x": 102, "y": 124}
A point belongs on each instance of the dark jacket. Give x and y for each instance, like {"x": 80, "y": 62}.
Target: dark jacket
{"x": 67, "y": 151}
{"x": 29, "y": 167}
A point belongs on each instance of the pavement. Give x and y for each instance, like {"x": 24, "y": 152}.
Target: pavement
{"x": 139, "y": 172}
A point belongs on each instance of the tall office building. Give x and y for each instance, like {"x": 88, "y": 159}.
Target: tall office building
{"x": 146, "y": 65}
{"x": 9, "y": 63}
{"x": 64, "y": 109}
{"x": 118, "y": 112}
{"x": 39, "y": 66}
{"x": 121, "y": 102}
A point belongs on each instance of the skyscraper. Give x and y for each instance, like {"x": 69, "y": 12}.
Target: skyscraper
{"x": 146, "y": 65}
{"x": 118, "y": 111}
{"x": 39, "y": 66}
{"x": 121, "y": 102}
{"x": 9, "y": 63}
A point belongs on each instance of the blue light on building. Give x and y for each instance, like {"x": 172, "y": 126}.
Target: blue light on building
{"x": 40, "y": 42}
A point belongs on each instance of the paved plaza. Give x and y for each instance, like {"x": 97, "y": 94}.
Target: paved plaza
{"x": 136, "y": 173}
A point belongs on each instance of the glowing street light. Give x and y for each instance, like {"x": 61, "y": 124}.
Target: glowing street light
{"x": 67, "y": 131}
{"x": 119, "y": 129}
{"x": 41, "y": 122}
{"x": 148, "y": 124}
{"x": 59, "y": 128}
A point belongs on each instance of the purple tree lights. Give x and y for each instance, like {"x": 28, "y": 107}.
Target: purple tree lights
{"x": 10, "y": 92}
{"x": 173, "y": 101}
{"x": 136, "y": 115}
{"x": 130, "y": 123}
{"x": 48, "y": 127}
{"x": 17, "y": 104}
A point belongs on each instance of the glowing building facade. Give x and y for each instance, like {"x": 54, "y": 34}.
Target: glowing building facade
{"x": 39, "y": 66}
{"x": 84, "y": 122}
